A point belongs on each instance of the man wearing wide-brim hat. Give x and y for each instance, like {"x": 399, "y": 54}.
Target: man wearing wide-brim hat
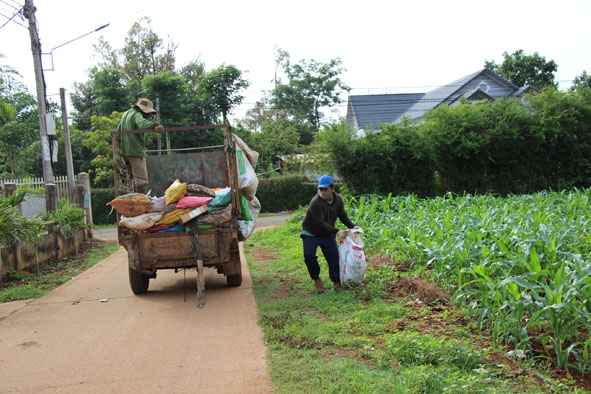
{"x": 132, "y": 147}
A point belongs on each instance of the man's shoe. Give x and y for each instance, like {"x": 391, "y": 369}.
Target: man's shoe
{"x": 337, "y": 286}
{"x": 319, "y": 286}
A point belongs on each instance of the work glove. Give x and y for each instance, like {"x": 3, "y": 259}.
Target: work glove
{"x": 159, "y": 129}
{"x": 342, "y": 234}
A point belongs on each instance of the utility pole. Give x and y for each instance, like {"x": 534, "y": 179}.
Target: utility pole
{"x": 41, "y": 97}
{"x": 67, "y": 144}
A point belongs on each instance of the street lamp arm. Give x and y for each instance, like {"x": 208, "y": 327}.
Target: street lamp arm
{"x": 77, "y": 38}
{"x": 50, "y": 53}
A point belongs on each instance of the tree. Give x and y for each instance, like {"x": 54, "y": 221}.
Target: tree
{"x": 479, "y": 146}
{"x": 311, "y": 86}
{"x": 116, "y": 82}
{"x": 219, "y": 89}
{"x": 276, "y": 138}
{"x": 10, "y": 82}
{"x": 14, "y": 92}
{"x": 193, "y": 71}
{"x": 144, "y": 52}
{"x": 110, "y": 90}
{"x": 171, "y": 91}
{"x": 98, "y": 140}
{"x": 104, "y": 92}
{"x": 18, "y": 143}
{"x": 178, "y": 106}
{"x": 582, "y": 81}
{"x": 260, "y": 114}
{"x": 82, "y": 156}
{"x": 84, "y": 102}
{"x": 522, "y": 69}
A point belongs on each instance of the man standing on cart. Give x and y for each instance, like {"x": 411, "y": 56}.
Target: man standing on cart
{"x": 132, "y": 146}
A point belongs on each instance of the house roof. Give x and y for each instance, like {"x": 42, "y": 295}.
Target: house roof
{"x": 368, "y": 111}
{"x": 375, "y": 109}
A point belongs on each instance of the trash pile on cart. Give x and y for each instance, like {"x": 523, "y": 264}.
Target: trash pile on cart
{"x": 185, "y": 203}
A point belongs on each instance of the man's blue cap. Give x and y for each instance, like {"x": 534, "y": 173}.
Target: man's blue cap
{"x": 325, "y": 181}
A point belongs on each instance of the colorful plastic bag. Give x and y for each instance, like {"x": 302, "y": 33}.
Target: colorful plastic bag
{"x": 352, "y": 262}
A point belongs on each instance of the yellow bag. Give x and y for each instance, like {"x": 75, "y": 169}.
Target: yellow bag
{"x": 175, "y": 192}
{"x": 172, "y": 216}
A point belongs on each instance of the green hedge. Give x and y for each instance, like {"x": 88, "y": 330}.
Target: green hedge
{"x": 101, "y": 212}
{"x": 501, "y": 147}
{"x": 286, "y": 193}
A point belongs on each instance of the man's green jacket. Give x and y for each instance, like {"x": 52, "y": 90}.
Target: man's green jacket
{"x": 134, "y": 144}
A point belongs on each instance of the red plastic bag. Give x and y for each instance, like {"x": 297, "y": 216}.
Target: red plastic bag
{"x": 192, "y": 202}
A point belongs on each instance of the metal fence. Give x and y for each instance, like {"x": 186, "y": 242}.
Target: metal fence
{"x": 61, "y": 183}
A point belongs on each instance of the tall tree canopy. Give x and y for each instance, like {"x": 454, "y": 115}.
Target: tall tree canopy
{"x": 219, "y": 89}
{"x": 582, "y": 81}
{"x": 19, "y": 145}
{"x": 144, "y": 52}
{"x": 19, "y": 126}
{"x": 310, "y": 87}
{"x": 522, "y": 69}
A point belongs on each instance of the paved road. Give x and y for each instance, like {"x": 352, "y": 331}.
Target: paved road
{"x": 92, "y": 335}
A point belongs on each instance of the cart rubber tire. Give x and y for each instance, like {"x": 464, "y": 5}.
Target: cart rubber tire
{"x": 138, "y": 282}
{"x": 234, "y": 280}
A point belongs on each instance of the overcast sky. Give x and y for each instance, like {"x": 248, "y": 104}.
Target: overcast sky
{"x": 385, "y": 46}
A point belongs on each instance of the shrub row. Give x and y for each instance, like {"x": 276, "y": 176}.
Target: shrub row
{"x": 286, "y": 193}
{"x": 501, "y": 147}
{"x": 101, "y": 212}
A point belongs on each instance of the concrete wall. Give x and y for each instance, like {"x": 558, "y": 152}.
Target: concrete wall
{"x": 51, "y": 248}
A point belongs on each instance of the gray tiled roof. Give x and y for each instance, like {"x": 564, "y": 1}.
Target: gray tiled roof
{"x": 372, "y": 110}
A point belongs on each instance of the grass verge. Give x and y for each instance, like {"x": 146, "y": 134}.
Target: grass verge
{"x": 393, "y": 333}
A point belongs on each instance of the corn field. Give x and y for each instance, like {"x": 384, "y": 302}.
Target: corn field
{"x": 520, "y": 265}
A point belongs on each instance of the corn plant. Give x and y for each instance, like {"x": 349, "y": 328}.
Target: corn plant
{"x": 560, "y": 311}
{"x": 519, "y": 264}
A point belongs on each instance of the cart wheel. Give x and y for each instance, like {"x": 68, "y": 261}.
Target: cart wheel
{"x": 234, "y": 280}
{"x": 138, "y": 282}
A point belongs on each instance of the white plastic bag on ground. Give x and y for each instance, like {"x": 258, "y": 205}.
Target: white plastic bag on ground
{"x": 352, "y": 263}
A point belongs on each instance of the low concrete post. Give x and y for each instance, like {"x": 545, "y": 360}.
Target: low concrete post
{"x": 84, "y": 180}
{"x": 51, "y": 197}
{"x": 9, "y": 188}
{"x": 78, "y": 198}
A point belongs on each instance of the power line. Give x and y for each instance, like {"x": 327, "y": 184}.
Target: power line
{"x": 12, "y": 1}
{"x": 15, "y": 12}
